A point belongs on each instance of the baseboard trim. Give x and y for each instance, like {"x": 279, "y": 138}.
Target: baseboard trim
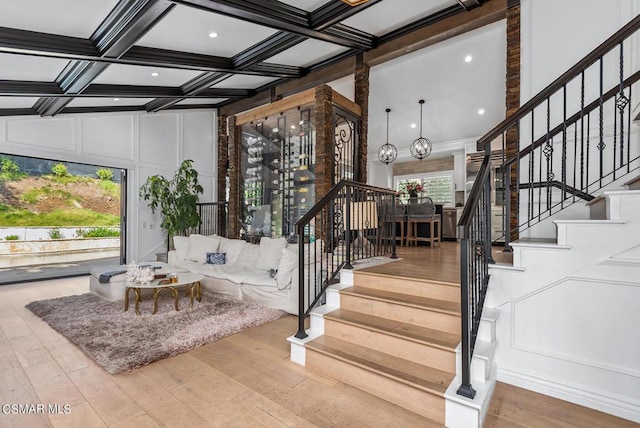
{"x": 619, "y": 406}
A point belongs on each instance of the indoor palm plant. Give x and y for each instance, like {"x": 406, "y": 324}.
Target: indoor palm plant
{"x": 176, "y": 199}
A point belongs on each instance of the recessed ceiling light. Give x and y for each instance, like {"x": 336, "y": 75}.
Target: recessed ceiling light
{"x": 481, "y": 111}
{"x": 468, "y": 58}
{"x": 213, "y": 34}
{"x": 116, "y": 99}
{"x": 155, "y": 74}
{"x": 413, "y": 125}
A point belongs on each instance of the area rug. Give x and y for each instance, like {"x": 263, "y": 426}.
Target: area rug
{"x": 119, "y": 341}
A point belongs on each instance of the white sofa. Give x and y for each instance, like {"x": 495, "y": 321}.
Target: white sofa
{"x": 265, "y": 273}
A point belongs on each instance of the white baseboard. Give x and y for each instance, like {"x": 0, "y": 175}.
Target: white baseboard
{"x": 622, "y": 407}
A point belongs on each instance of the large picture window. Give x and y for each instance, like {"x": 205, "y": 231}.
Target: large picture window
{"x": 438, "y": 186}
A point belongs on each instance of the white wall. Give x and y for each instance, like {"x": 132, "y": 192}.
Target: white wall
{"x": 143, "y": 144}
{"x": 557, "y": 34}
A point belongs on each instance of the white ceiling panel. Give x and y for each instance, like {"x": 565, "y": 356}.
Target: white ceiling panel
{"x": 308, "y": 5}
{"x": 17, "y": 102}
{"x": 244, "y": 81}
{"x": 394, "y": 14}
{"x": 24, "y": 67}
{"x": 309, "y": 52}
{"x": 454, "y": 90}
{"x": 187, "y": 29}
{"x": 107, "y": 102}
{"x": 78, "y": 18}
{"x": 136, "y": 75}
{"x": 202, "y": 101}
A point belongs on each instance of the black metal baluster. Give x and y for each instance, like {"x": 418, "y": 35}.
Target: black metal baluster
{"x": 582, "y": 132}
{"x": 601, "y": 145}
{"x": 548, "y": 153}
{"x": 621, "y": 102}
{"x": 629, "y": 135}
{"x": 563, "y": 161}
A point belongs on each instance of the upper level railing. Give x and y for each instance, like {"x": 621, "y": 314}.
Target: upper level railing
{"x": 567, "y": 142}
{"x": 354, "y": 221}
{"x": 212, "y": 219}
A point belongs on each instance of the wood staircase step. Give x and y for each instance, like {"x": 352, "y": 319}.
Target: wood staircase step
{"x": 412, "y": 386}
{"x": 420, "y": 311}
{"x": 434, "y": 289}
{"x": 421, "y": 345}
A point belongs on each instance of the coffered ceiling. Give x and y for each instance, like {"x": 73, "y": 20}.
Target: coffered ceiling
{"x": 70, "y": 56}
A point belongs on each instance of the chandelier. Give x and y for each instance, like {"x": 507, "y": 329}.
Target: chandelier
{"x": 421, "y": 147}
{"x": 387, "y": 153}
{"x": 354, "y": 2}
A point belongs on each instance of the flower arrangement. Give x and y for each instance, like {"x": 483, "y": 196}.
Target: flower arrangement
{"x": 139, "y": 275}
{"x": 411, "y": 188}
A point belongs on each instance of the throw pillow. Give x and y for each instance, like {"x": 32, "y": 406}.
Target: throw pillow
{"x": 199, "y": 246}
{"x": 270, "y": 253}
{"x": 216, "y": 258}
{"x": 180, "y": 242}
{"x": 233, "y": 248}
{"x": 288, "y": 263}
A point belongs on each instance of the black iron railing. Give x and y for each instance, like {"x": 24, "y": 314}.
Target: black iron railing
{"x": 354, "y": 221}
{"x": 571, "y": 139}
{"x": 212, "y": 219}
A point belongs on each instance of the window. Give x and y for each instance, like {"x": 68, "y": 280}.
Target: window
{"x": 438, "y": 186}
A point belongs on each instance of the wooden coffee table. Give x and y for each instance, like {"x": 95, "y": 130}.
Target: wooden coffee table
{"x": 185, "y": 279}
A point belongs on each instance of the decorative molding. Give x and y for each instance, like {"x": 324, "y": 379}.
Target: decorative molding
{"x": 613, "y": 404}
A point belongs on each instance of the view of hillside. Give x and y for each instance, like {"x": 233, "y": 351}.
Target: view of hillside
{"x": 58, "y": 198}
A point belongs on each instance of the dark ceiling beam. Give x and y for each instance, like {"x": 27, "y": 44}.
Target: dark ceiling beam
{"x": 20, "y": 88}
{"x": 272, "y": 45}
{"x": 196, "y": 86}
{"x": 250, "y": 57}
{"x": 441, "y": 26}
{"x": 469, "y": 4}
{"x": 281, "y": 16}
{"x": 13, "y": 40}
{"x": 126, "y": 24}
{"x": 32, "y": 43}
{"x": 335, "y": 11}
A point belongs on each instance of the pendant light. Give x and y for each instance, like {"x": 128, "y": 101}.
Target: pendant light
{"x": 387, "y": 153}
{"x": 421, "y": 147}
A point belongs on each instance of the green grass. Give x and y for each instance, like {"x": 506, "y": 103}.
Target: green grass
{"x": 111, "y": 188}
{"x": 60, "y": 218}
{"x": 32, "y": 196}
{"x": 98, "y": 232}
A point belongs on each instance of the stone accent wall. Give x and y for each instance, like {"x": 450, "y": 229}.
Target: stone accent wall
{"x": 324, "y": 141}
{"x": 234, "y": 209}
{"x": 513, "y": 101}
{"x": 362, "y": 99}
{"x": 223, "y": 160}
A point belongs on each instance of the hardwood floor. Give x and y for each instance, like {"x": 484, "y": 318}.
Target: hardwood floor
{"x": 244, "y": 380}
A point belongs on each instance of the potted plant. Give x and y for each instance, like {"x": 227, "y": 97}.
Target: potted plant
{"x": 176, "y": 199}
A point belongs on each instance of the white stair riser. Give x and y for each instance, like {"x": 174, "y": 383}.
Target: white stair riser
{"x": 407, "y": 314}
{"x": 397, "y": 346}
{"x": 406, "y": 396}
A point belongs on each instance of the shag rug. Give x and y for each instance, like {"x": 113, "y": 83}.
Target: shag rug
{"x": 119, "y": 341}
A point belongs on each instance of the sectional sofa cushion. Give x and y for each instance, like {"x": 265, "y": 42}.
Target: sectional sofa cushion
{"x": 199, "y": 246}
{"x": 270, "y": 252}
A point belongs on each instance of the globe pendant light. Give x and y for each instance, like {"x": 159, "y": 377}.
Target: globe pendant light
{"x": 387, "y": 153}
{"x": 421, "y": 147}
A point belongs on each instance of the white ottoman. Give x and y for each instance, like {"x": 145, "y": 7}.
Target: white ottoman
{"x": 114, "y": 289}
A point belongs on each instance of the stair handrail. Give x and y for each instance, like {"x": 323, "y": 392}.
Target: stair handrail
{"x": 474, "y": 227}
{"x": 319, "y": 264}
{"x": 554, "y": 86}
